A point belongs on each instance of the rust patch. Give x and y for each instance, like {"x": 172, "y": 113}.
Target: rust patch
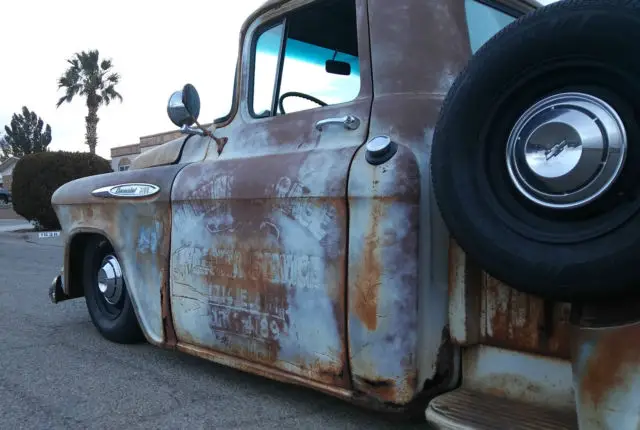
{"x": 220, "y": 143}
{"x": 381, "y": 389}
{"x": 523, "y": 322}
{"x": 368, "y": 278}
{"x": 358, "y": 399}
{"x": 605, "y": 370}
{"x": 255, "y": 321}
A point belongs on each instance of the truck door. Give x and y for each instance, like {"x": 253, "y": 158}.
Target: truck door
{"x": 259, "y": 236}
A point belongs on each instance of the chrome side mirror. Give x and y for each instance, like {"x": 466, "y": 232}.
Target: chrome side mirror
{"x": 184, "y": 106}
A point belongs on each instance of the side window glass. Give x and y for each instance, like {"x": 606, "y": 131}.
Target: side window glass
{"x": 318, "y": 66}
{"x": 266, "y": 69}
{"x": 484, "y": 22}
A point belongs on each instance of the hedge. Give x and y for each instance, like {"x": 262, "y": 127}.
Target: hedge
{"x": 37, "y": 176}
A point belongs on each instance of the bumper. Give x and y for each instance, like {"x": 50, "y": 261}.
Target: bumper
{"x": 56, "y": 292}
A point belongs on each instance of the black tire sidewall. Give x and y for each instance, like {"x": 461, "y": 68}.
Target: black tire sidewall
{"x": 575, "y": 32}
{"x": 122, "y": 329}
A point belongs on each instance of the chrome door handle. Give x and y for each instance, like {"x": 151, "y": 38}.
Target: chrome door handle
{"x": 349, "y": 122}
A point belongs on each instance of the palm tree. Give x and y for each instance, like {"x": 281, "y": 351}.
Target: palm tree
{"x": 88, "y": 76}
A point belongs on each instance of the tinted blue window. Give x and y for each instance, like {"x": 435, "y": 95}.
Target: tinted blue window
{"x": 484, "y": 22}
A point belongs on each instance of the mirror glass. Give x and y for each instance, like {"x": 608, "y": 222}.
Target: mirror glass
{"x": 184, "y": 106}
{"x": 191, "y": 101}
{"x": 338, "y": 67}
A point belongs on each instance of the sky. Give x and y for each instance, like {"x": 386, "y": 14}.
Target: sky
{"x": 155, "y": 46}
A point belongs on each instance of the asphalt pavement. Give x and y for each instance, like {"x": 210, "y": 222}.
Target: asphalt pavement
{"x": 57, "y": 372}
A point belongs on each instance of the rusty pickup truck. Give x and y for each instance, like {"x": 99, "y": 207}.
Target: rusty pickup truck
{"x": 424, "y": 207}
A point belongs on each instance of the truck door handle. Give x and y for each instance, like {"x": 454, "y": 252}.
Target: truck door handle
{"x": 349, "y": 122}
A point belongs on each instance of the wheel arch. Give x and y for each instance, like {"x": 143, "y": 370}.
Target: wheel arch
{"x": 142, "y": 245}
{"x": 74, "y": 268}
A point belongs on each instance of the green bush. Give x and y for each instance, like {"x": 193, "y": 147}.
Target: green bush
{"x": 37, "y": 176}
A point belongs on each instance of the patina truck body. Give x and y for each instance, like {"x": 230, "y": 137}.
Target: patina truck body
{"x": 291, "y": 247}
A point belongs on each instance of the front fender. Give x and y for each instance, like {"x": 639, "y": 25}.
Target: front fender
{"x": 138, "y": 228}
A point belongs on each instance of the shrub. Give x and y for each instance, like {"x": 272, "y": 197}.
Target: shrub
{"x": 37, "y": 176}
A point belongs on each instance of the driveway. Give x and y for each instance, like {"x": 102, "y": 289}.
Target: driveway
{"x": 58, "y": 372}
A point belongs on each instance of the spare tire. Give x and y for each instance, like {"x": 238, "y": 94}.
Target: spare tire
{"x": 535, "y": 161}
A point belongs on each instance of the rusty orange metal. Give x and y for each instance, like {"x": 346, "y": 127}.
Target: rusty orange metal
{"x": 520, "y": 321}
{"x": 368, "y": 277}
{"x": 485, "y": 310}
{"x": 605, "y": 369}
{"x": 383, "y": 277}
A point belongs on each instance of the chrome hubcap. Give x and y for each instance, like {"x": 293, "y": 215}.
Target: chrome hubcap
{"x": 110, "y": 280}
{"x": 566, "y": 150}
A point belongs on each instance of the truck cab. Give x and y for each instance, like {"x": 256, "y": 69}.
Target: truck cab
{"x": 318, "y": 235}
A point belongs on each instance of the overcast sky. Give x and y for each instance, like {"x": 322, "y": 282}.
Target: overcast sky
{"x": 156, "y": 46}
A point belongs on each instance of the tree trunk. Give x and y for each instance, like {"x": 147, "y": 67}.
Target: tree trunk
{"x": 92, "y": 129}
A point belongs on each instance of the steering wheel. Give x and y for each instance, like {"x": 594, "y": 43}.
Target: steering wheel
{"x": 297, "y": 94}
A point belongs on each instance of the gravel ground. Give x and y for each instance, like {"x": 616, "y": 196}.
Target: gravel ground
{"x": 58, "y": 372}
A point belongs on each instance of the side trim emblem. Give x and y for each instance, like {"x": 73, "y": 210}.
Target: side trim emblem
{"x": 127, "y": 191}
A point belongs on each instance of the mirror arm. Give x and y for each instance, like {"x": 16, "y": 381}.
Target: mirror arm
{"x": 192, "y": 130}
{"x": 201, "y": 131}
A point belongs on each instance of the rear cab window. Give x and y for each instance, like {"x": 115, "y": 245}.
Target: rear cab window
{"x": 484, "y": 20}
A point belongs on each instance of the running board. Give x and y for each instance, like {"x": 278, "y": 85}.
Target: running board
{"x": 465, "y": 409}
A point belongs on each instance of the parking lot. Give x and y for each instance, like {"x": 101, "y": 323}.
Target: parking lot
{"x": 58, "y": 372}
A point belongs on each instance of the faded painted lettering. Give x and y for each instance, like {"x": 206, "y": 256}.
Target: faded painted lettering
{"x": 221, "y": 265}
{"x": 246, "y": 313}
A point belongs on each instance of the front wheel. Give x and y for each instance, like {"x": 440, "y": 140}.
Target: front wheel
{"x": 106, "y": 295}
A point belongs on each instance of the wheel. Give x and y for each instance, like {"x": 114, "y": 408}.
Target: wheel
{"x": 106, "y": 295}
{"x": 4, "y": 200}
{"x": 535, "y": 151}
